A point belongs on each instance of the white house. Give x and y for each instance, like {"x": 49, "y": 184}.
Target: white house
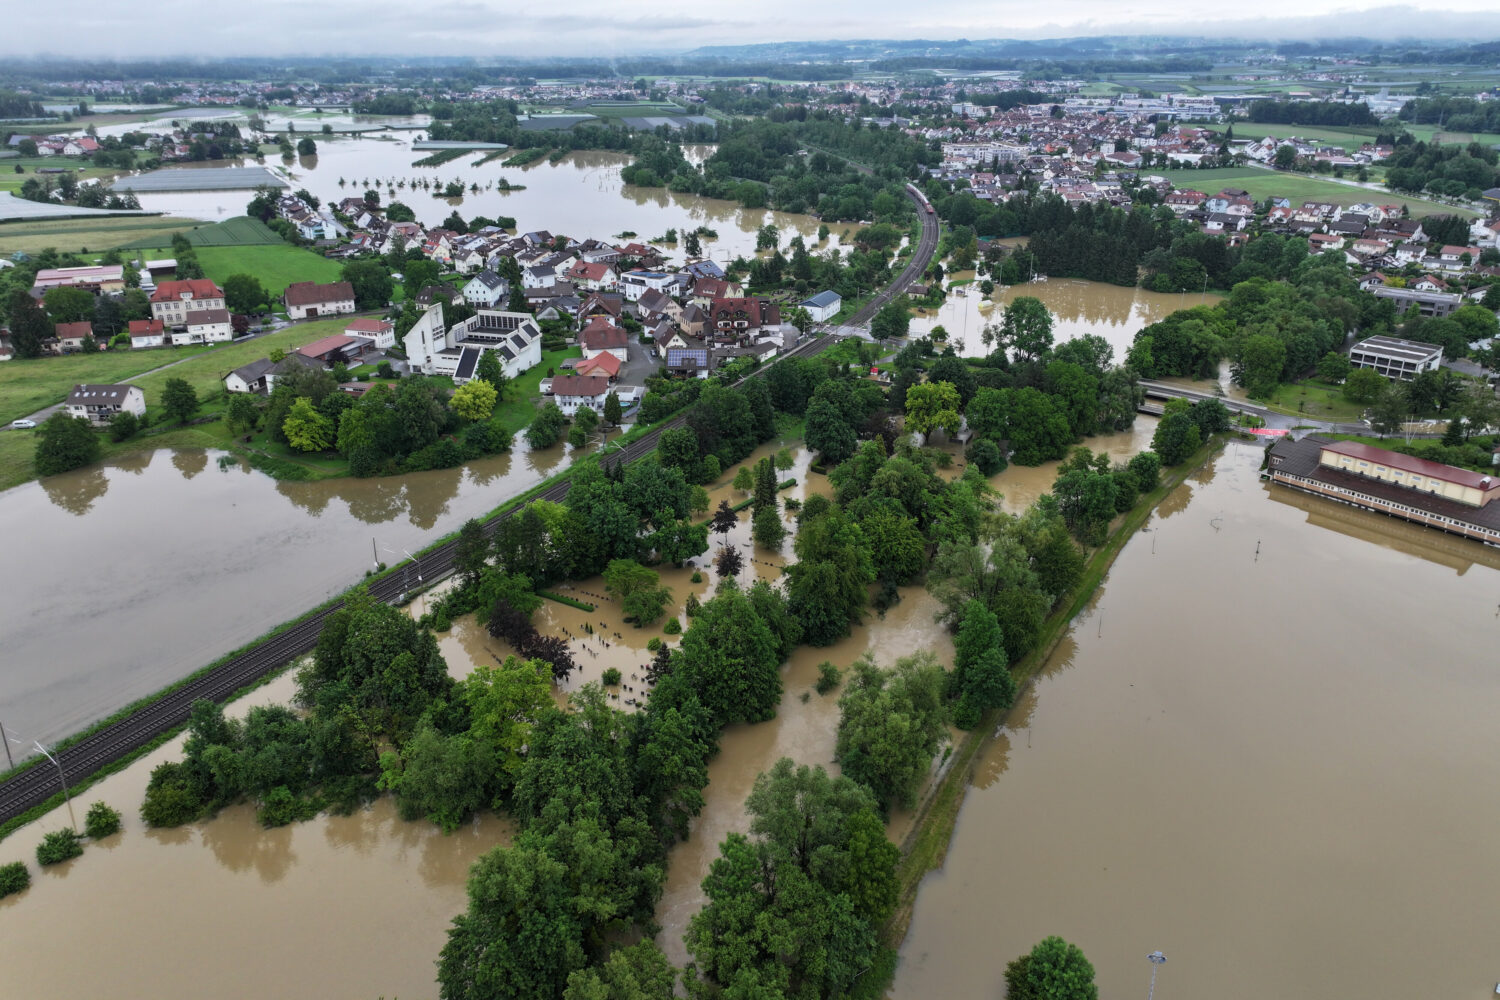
{"x": 823, "y": 306}
{"x": 205, "y": 326}
{"x": 380, "y": 333}
{"x": 146, "y": 333}
{"x": 570, "y": 392}
{"x": 486, "y": 290}
{"x": 98, "y": 403}
{"x": 593, "y": 277}
{"x": 634, "y": 284}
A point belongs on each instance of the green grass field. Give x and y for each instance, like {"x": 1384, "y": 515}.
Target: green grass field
{"x": 237, "y": 232}
{"x": 276, "y": 266}
{"x": 524, "y": 394}
{"x": 1298, "y": 187}
{"x": 205, "y": 372}
{"x": 28, "y": 385}
{"x": 1427, "y": 133}
{"x": 1350, "y": 137}
{"x": 1315, "y": 399}
{"x": 82, "y": 169}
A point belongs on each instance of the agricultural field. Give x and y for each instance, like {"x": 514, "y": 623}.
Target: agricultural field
{"x": 1298, "y": 187}
{"x": 1429, "y": 133}
{"x": 237, "y": 232}
{"x": 86, "y": 235}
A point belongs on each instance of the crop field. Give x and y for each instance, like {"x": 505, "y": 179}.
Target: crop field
{"x": 1348, "y": 136}
{"x": 237, "y": 232}
{"x": 86, "y": 235}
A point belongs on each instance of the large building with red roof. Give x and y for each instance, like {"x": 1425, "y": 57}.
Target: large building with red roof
{"x": 173, "y": 301}
{"x": 308, "y": 299}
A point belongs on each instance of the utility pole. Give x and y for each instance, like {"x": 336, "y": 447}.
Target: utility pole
{"x": 9, "y": 760}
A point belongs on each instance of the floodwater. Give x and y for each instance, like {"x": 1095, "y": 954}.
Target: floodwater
{"x": 1259, "y": 752}
{"x": 118, "y": 556}
{"x": 342, "y": 906}
{"x": 581, "y": 196}
{"x": 1078, "y": 307}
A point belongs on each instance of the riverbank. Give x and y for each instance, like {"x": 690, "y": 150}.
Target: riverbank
{"x": 926, "y": 845}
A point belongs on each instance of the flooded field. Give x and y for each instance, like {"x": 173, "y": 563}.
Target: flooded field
{"x": 581, "y": 196}
{"x": 145, "y": 568}
{"x": 1270, "y": 765}
{"x": 1078, "y": 307}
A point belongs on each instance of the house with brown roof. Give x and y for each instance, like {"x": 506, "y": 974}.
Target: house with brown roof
{"x": 742, "y": 317}
{"x": 174, "y": 300}
{"x": 70, "y": 336}
{"x": 308, "y": 299}
{"x": 600, "y": 336}
{"x": 340, "y": 348}
{"x": 205, "y": 326}
{"x": 381, "y": 333}
{"x": 570, "y": 392}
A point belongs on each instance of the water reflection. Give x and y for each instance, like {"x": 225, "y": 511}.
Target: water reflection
{"x": 75, "y": 492}
{"x": 134, "y": 461}
{"x": 241, "y": 845}
{"x": 190, "y": 462}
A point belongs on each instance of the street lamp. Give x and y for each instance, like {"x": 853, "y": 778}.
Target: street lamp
{"x": 1156, "y": 958}
{"x": 62, "y": 778}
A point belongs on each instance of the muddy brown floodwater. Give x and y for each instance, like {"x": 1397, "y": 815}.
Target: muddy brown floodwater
{"x": 1274, "y": 768}
{"x": 163, "y": 543}
{"x": 582, "y": 196}
{"x": 1078, "y": 307}
{"x": 342, "y": 906}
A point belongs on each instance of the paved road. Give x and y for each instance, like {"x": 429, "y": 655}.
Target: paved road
{"x": 1272, "y": 418}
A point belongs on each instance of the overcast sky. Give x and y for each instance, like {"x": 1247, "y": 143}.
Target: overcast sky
{"x": 150, "y": 28}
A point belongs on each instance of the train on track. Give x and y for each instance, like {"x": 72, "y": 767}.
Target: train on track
{"x": 916, "y": 193}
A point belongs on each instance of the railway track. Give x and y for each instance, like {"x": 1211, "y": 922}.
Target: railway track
{"x": 90, "y": 755}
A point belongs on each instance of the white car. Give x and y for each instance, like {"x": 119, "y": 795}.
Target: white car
{"x": 23, "y": 425}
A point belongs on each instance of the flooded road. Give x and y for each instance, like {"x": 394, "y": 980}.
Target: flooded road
{"x": 134, "y": 573}
{"x": 581, "y": 196}
{"x": 1275, "y": 768}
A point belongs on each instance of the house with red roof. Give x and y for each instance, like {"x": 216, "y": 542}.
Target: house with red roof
{"x": 742, "y": 318}
{"x": 70, "y": 336}
{"x": 340, "y": 348}
{"x": 146, "y": 333}
{"x": 174, "y": 301}
{"x": 595, "y": 277}
{"x": 604, "y": 363}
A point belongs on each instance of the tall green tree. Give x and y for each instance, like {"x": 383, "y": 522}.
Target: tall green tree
{"x": 66, "y": 443}
{"x": 179, "y": 399}
{"x": 891, "y": 723}
{"x": 981, "y": 680}
{"x": 1052, "y": 970}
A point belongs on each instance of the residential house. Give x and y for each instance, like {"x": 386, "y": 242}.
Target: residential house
{"x": 654, "y": 306}
{"x": 205, "y": 326}
{"x": 742, "y": 317}
{"x": 308, "y": 299}
{"x": 1429, "y": 283}
{"x": 260, "y": 376}
{"x": 687, "y": 357}
{"x": 486, "y": 290}
{"x": 380, "y": 333}
{"x": 593, "y": 277}
{"x": 604, "y": 363}
{"x": 173, "y": 301}
{"x": 570, "y": 392}
{"x": 98, "y": 403}
{"x": 444, "y": 293}
{"x": 70, "y": 336}
{"x": 146, "y": 333}
{"x": 823, "y": 306}
{"x": 600, "y": 336}
{"x": 634, "y": 284}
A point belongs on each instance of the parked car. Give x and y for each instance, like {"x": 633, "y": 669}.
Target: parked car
{"x": 23, "y": 425}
